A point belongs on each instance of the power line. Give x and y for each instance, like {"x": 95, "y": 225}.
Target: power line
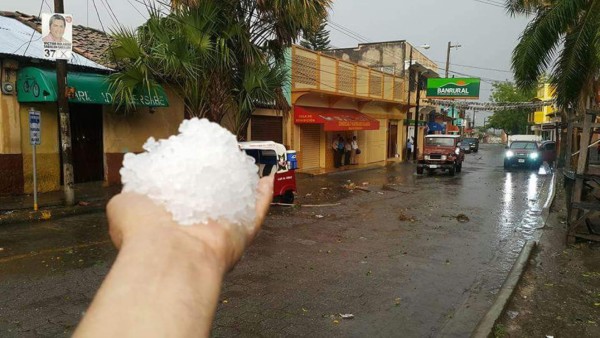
{"x": 32, "y": 32}
{"x": 491, "y": 3}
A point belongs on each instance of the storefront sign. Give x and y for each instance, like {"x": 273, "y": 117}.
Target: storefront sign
{"x": 453, "y": 88}
{"x": 335, "y": 119}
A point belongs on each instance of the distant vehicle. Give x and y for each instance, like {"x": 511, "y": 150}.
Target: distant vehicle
{"x": 270, "y": 156}
{"x": 523, "y": 154}
{"x": 441, "y": 152}
{"x": 473, "y": 143}
{"x": 465, "y": 147}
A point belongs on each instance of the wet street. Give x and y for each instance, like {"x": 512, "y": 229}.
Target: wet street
{"x": 405, "y": 255}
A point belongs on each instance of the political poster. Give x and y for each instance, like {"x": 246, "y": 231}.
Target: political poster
{"x": 57, "y": 36}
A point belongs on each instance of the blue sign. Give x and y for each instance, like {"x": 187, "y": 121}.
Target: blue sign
{"x": 35, "y": 127}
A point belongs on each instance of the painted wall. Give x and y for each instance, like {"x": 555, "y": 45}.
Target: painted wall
{"x": 47, "y": 156}
{"x": 127, "y": 133}
{"x": 11, "y": 159}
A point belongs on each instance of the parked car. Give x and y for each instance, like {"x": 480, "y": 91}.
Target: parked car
{"x": 465, "y": 147}
{"x": 441, "y": 152}
{"x": 548, "y": 150}
{"x": 523, "y": 154}
{"x": 473, "y": 143}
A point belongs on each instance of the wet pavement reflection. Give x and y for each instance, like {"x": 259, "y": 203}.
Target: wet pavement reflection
{"x": 422, "y": 255}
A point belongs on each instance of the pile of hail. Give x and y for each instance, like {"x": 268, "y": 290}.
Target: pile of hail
{"x": 198, "y": 175}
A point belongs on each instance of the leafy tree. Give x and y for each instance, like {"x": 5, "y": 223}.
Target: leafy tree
{"x": 222, "y": 57}
{"x": 512, "y": 121}
{"x": 564, "y": 28}
{"x": 318, "y": 40}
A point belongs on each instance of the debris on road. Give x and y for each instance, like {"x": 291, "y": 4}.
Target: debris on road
{"x": 404, "y": 218}
{"x": 352, "y": 186}
{"x": 319, "y": 216}
{"x": 347, "y": 316}
{"x": 512, "y": 314}
{"x": 462, "y": 218}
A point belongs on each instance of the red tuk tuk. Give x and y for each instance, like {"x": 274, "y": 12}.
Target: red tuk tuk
{"x": 269, "y": 156}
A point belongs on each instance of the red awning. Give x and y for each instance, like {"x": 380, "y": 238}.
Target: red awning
{"x": 451, "y": 128}
{"x": 335, "y": 119}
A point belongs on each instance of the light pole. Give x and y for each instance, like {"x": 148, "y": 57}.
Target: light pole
{"x": 450, "y": 46}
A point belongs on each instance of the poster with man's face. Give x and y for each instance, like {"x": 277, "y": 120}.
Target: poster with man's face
{"x": 57, "y": 35}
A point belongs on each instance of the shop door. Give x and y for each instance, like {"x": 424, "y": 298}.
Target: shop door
{"x": 392, "y": 140}
{"x": 86, "y": 136}
{"x": 310, "y": 142}
{"x": 267, "y": 128}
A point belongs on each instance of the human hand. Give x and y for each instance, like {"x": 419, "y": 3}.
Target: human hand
{"x": 132, "y": 216}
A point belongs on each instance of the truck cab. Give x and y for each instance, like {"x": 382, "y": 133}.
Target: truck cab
{"x": 441, "y": 152}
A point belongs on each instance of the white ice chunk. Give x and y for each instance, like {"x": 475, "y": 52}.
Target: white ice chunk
{"x": 199, "y": 175}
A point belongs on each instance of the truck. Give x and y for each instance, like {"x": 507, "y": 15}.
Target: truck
{"x": 441, "y": 152}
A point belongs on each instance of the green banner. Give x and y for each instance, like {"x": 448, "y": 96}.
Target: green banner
{"x": 40, "y": 85}
{"x": 453, "y": 88}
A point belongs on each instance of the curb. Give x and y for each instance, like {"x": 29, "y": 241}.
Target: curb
{"x": 22, "y": 216}
{"x": 486, "y": 324}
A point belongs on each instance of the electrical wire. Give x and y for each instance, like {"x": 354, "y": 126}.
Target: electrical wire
{"x": 32, "y": 32}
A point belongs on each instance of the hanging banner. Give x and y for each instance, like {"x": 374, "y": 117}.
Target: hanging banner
{"x": 57, "y": 36}
{"x": 453, "y": 88}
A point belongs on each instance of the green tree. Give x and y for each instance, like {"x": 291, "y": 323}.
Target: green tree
{"x": 318, "y": 40}
{"x": 222, "y": 57}
{"x": 565, "y": 28}
{"x": 512, "y": 121}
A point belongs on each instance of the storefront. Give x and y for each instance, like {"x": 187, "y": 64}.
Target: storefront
{"x": 320, "y": 126}
{"x": 99, "y": 135}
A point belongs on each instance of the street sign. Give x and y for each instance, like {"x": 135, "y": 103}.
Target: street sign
{"x": 35, "y": 127}
{"x": 453, "y": 88}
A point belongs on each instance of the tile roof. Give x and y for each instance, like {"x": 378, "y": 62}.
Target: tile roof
{"x": 88, "y": 42}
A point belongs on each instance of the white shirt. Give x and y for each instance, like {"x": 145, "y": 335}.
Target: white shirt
{"x": 354, "y": 144}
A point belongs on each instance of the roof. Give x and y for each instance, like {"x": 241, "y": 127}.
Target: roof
{"x": 90, "y": 46}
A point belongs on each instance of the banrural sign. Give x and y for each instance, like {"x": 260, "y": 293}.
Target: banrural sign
{"x": 453, "y": 88}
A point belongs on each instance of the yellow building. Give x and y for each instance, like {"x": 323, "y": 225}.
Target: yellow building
{"x": 544, "y": 120}
{"x": 331, "y": 97}
{"x": 100, "y": 136}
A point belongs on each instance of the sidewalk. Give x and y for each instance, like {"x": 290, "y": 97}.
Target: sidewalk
{"x": 89, "y": 197}
{"x": 348, "y": 168}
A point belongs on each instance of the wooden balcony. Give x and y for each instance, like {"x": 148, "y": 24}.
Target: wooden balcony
{"x": 315, "y": 72}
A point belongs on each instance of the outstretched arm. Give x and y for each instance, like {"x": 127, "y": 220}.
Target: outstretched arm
{"x": 167, "y": 278}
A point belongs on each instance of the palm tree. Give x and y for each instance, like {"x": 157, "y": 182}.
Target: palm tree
{"x": 221, "y": 56}
{"x": 565, "y": 28}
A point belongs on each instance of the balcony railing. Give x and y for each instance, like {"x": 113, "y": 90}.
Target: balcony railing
{"x": 313, "y": 71}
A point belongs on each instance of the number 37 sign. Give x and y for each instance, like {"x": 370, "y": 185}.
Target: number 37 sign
{"x": 57, "y": 35}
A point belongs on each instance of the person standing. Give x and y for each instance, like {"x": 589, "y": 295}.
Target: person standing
{"x": 336, "y": 155}
{"x": 341, "y": 148}
{"x": 409, "y": 146}
{"x": 353, "y": 154}
{"x": 347, "y": 151}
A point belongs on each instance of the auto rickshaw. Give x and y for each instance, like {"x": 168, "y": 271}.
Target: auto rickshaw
{"x": 269, "y": 156}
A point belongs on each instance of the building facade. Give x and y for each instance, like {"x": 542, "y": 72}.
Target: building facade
{"x": 544, "y": 121}
{"x": 100, "y": 135}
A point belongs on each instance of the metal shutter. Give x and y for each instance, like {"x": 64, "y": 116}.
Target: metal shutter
{"x": 310, "y": 141}
{"x": 267, "y": 128}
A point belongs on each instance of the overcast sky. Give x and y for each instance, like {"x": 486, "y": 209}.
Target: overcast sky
{"x": 487, "y": 34}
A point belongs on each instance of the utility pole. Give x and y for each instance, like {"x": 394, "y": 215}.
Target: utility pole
{"x": 408, "y": 103}
{"x": 65, "y": 123}
{"x": 416, "y": 131}
{"x": 450, "y": 46}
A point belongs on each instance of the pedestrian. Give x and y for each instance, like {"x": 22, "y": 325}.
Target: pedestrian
{"x": 341, "y": 150}
{"x": 337, "y": 160}
{"x": 348, "y": 151}
{"x": 409, "y": 146}
{"x": 172, "y": 292}
{"x": 353, "y": 154}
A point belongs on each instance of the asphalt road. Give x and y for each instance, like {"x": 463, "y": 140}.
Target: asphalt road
{"x": 414, "y": 256}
